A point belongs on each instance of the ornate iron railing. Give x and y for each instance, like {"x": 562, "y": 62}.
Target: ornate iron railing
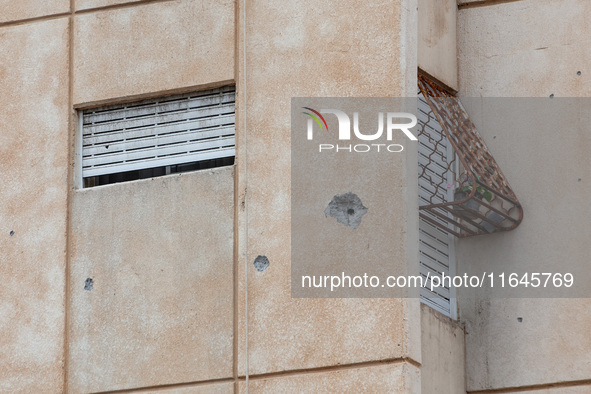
{"x": 462, "y": 189}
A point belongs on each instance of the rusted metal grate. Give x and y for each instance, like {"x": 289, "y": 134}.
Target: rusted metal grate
{"x": 462, "y": 189}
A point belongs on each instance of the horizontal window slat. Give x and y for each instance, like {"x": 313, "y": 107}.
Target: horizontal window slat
{"x": 440, "y": 304}
{"x": 158, "y": 108}
{"x": 434, "y": 235}
{"x": 163, "y": 100}
{"x": 159, "y": 162}
{"x": 225, "y": 113}
{"x": 430, "y": 254}
{"x": 193, "y": 126}
{"x": 149, "y": 153}
{"x": 438, "y": 158}
{"x": 439, "y": 295}
{"x": 436, "y": 191}
{"x": 432, "y": 131}
{"x": 158, "y": 140}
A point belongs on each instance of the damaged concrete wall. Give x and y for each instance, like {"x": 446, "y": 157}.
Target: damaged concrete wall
{"x": 55, "y": 58}
{"x": 302, "y": 49}
{"x": 525, "y": 49}
{"x": 531, "y": 48}
{"x": 34, "y": 189}
{"x": 159, "y": 253}
{"x": 151, "y": 296}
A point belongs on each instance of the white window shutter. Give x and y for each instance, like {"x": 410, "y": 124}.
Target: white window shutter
{"x": 159, "y": 132}
{"x": 436, "y": 247}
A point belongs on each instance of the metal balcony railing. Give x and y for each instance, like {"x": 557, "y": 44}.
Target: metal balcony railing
{"x": 461, "y": 188}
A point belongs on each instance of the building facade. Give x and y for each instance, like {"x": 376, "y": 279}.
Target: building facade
{"x": 151, "y": 285}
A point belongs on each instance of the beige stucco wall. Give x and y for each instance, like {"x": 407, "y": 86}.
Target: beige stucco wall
{"x": 437, "y": 42}
{"x": 579, "y": 389}
{"x": 530, "y": 48}
{"x": 442, "y": 339}
{"x": 151, "y": 48}
{"x": 148, "y": 49}
{"x": 33, "y": 189}
{"x": 198, "y": 388}
{"x": 397, "y": 377}
{"x": 526, "y": 48}
{"x": 145, "y": 323}
{"x": 90, "y": 4}
{"x": 305, "y": 49}
{"x": 442, "y": 351}
{"x": 160, "y": 254}
{"x": 206, "y": 388}
{"x": 28, "y": 9}
{"x": 167, "y": 291}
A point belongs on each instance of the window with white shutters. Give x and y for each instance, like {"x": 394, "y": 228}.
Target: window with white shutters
{"x": 157, "y": 137}
{"x": 436, "y": 247}
{"x": 462, "y": 191}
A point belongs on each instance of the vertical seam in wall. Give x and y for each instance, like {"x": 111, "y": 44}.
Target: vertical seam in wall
{"x": 246, "y": 372}
{"x": 237, "y": 204}
{"x": 409, "y": 66}
{"x": 71, "y": 147}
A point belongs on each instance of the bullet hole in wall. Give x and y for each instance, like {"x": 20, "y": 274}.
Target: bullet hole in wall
{"x": 579, "y": 73}
{"x": 552, "y": 96}
{"x": 11, "y": 233}
{"x": 88, "y": 284}
{"x": 520, "y": 319}
{"x": 347, "y": 209}
{"x": 261, "y": 263}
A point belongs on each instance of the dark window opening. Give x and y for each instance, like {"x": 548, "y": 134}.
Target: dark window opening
{"x": 156, "y": 172}
{"x": 155, "y": 137}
